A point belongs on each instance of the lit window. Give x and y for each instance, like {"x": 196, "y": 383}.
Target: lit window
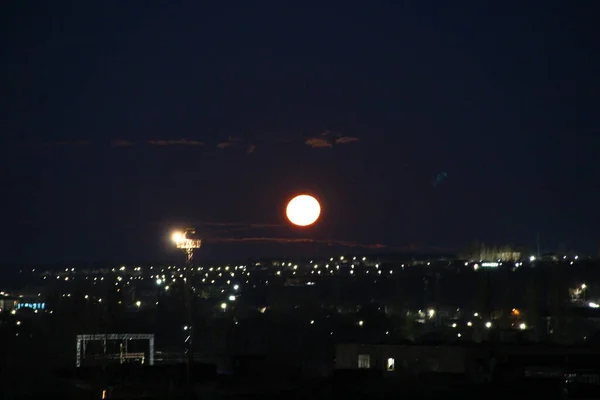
{"x": 364, "y": 361}
{"x": 390, "y": 364}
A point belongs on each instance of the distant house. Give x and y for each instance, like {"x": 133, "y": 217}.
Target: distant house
{"x": 408, "y": 359}
{"x": 470, "y": 362}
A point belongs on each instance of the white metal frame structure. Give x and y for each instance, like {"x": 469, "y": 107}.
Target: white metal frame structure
{"x": 83, "y": 339}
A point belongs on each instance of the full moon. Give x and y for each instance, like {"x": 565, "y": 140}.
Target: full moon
{"x": 303, "y": 210}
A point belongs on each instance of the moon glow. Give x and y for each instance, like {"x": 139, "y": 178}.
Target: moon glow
{"x": 303, "y": 210}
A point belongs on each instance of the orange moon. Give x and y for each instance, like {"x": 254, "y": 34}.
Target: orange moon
{"x": 303, "y": 210}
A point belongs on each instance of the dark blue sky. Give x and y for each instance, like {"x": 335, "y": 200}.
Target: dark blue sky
{"x": 119, "y": 122}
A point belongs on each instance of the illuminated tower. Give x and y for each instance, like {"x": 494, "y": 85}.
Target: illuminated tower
{"x": 188, "y": 242}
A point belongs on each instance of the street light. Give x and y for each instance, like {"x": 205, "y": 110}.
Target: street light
{"x": 187, "y": 241}
{"x": 523, "y": 326}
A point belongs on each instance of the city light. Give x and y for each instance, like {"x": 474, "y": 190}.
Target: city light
{"x": 490, "y": 264}
{"x": 220, "y": 285}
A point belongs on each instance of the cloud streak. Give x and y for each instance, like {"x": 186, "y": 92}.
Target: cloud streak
{"x": 346, "y": 140}
{"x": 179, "y": 142}
{"x": 241, "y": 224}
{"x": 230, "y": 227}
{"x": 318, "y": 143}
{"x": 281, "y": 240}
{"x": 229, "y": 142}
{"x": 328, "y": 139}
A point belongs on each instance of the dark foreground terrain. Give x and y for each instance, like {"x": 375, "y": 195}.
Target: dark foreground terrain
{"x": 37, "y": 385}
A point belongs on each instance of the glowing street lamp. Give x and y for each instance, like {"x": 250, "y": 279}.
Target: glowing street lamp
{"x": 177, "y": 237}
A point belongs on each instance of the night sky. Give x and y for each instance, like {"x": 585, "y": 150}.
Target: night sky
{"x": 419, "y": 125}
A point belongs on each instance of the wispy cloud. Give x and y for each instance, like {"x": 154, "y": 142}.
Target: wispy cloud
{"x": 318, "y": 143}
{"x": 282, "y": 240}
{"x": 328, "y": 139}
{"x": 227, "y": 228}
{"x": 346, "y": 140}
{"x": 241, "y": 224}
{"x": 231, "y": 140}
{"x": 180, "y": 142}
{"x": 224, "y": 145}
{"x": 324, "y": 139}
